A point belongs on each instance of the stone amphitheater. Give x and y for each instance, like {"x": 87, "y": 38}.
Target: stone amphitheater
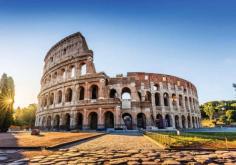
{"x": 75, "y": 96}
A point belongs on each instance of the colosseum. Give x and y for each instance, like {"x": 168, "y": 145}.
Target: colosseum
{"x": 75, "y": 96}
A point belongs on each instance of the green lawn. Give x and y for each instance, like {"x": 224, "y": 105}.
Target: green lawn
{"x": 196, "y": 140}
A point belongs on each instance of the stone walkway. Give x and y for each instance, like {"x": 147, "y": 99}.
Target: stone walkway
{"x": 128, "y": 150}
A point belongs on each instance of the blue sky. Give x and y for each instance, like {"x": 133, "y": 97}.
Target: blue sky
{"x": 194, "y": 40}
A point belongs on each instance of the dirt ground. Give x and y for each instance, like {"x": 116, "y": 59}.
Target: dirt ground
{"x": 46, "y": 139}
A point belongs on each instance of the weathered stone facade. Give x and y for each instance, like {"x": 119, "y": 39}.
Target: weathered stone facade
{"x": 74, "y": 96}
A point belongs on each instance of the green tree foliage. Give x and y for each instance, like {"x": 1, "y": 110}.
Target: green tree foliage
{"x": 223, "y": 118}
{"x": 7, "y": 93}
{"x": 25, "y": 116}
{"x": 209, "y": 110}
{"x": 231, "y": 115}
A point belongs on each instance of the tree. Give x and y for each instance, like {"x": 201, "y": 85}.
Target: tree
{"x": 231, "y": 115}
{"x": 223, "y": 118}
{"x": 25, "y": 116}
{"x": 209, "y": 110}
{"x": 7, "y": 93}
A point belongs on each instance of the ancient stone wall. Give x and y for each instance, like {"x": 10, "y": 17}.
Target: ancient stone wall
{"x": 74, "y": 96}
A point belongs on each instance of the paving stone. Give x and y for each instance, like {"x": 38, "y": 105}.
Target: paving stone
{"x": 171, "y": 162}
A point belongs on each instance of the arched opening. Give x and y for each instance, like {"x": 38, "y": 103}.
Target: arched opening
{"x": 141, "y": 121}
{"x": 54, "y": 75}
{"x": 157, "y": 99}
{"x": 166, "y": 99}
{"x": 79, "y": 121}
{"x": 51, "y": 100}
{"x": 186, "y": 103}
{"x": 156, "y": 87}
{"x": 57, "y": 122}
{"x": 193, "y": 122}
{"x": 190, "y": 103}
{"x": 81, "y": 93}
{"x": 159, "y": 121}
{"x": 72, "y": 72}
{"x": 94, "y": 92}
{"x": 174, "y": 100}
{"x": 177, "y": 122}
{"x": 126, "y": 94}
{"x": 63, "y": 74}
{"x": 127, "y": 118}
{"x": 113, "y": 93}
{"x": 45, "y": 101}
{"x": 148, "y": 96}
{"x": 59, "y": 97}
{"x": 109, "y": 120}
{"x": 49, "y": 122}
{"x": 93, "y": 121}
{"x": 69, "y": 95}
{"x": 43, "y": 122}
{"x": 180, "y": 100}
{"x": 67, "y": 121}
{"x": 189, "y": 122}
{"x": 83, "y": 69}
{"x": 183, "y": 121}
{"x": 168, "y": 121}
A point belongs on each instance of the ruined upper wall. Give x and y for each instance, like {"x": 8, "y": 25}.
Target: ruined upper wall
{"x": 70, "y": 47}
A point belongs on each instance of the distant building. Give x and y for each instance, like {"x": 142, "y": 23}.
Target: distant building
{"x": 74, "y": 96}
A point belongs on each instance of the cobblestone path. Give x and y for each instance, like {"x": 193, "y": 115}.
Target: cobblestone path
{"x": 118, "y": 142}
{"x": 128, "y": 150}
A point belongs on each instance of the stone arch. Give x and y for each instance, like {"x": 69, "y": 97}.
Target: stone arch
{"x": 93, "y": 120}
{"x": 159, "y": 121}
{"x": 51, "y": 99}
{"x": 56, "y": 122}
{"x": 81, "y": 93}
{"x": 127, "y": 118}
{"x": 49, "y": 119}
{"x": 148, "y": 96}
{"x": 141, "y": 120}
{"x": 83, "y": 69}
{"x": 186, "y": 102}
{"x": 180, "y": 100}
{"x": 94, "y": 92}
{"x": 166, "y": 99}
{"x": 67, "y": 121}
{"x": 54, "y": 75}
{"x": 59, "y": 96}
{"x": 126, "y": 94}
{"x": 113, "y": 93}
{"x": 177, "y": 123}
{"x": 174, "y": 99}
{"x": 43, "y": 122}
{"x": 193, "y": 122}
{"x": 183, "y": 121}
{"x": 72, "y": 71}
{"x": 63, "y": 73}
{"x": 168, "y": 121}
{"x": 157, "y": 99}
{"x": 189, "y": 121}
{"x": 109, "y": 120}
{"x": 69, "y": 95}
{"x": 156, "y": 87}
{"x": 79, "y": 121}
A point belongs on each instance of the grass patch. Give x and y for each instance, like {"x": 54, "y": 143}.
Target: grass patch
{"x": 197, "y": 140}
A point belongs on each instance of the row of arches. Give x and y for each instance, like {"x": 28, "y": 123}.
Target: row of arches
{"x": 65, "y": 73}
{"x": 64, "y": 122}
{"x": 51, "y": 99}
{"x": 177, "y": 122}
